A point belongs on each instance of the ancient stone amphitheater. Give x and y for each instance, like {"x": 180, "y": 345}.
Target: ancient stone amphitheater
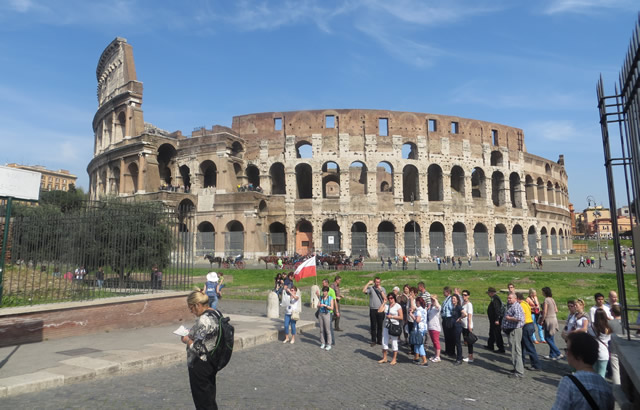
{"x": 370, "y": 182}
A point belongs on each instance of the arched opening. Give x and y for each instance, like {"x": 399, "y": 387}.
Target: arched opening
{"x": 205, "y": 239}
{"x": 234, "y": 239}
{"x": 304, "y": 237}
{"x": 357, "y": 179}
{"x": 253, "y": 177}
{"x": 166, "y": 156}
{"x": 262, "y": 207}
{"x": 186, "y": 207}
{"x": 554, "y": 242}
{"x": 409, "y": 151}
{"x": 278, "y": 181}
{"x": 304, "y": 149}
{"x": 497, "y": 188}
{"x": 544, "y": 241}
{"x": 410, "y": 183}
{"x": 120, "y": 126}
{"x": 236, "y": 149}
{"x": 481, "y": 240}
{"x": 277, "y": 239}
{"x": 514, "y": 190}
{"x": 551, "y": 200}
{"x": 542, "y": 197}
{"x": 500, "y": 239}
{"x": 459, "y": 237}
{"x": 412, "y": 239}
{"x": 436, "y": 240}
{"x": 533, "y": 241}
{"x": 209, "y": 174}
{"x": 558, "y": 195}
{"x": 384, "y": 177}
{"x": 496, "y": 158}
{"x": 185, "y": 173}
{"x": 132, "y": 179}
{"x": 547, "y": 169}
{"x": 103, "y": 181}
{"x": 517, "y": 238}
{"x": 359, "y": 239}
{"x": 434, "y": 185}
{"x": 115, "y": 181}
{"x": 457, "y": 185}
{"x": 561, "y": 241}
{"x": 304, "y": 181}
{"x": 529, "y": 188}
{"x": 478, "y": 183}
{"x": 331, "y": 237}
{"x": 330, "y": 180}
{"x": 386, "y": 240}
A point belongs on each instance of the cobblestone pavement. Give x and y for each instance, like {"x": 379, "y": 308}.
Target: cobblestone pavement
{"x": 277, "y": 375}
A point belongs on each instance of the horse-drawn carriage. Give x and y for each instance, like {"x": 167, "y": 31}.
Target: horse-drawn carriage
{"x": 226, "y": 263}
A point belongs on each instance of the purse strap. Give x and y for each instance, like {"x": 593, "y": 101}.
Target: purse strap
{"x": 584, "y": 391}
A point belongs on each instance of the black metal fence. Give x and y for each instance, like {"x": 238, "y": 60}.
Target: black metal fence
{"x": 98, "y": 250}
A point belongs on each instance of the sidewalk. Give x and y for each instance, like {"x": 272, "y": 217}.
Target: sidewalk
{"x": 52, "y": 363}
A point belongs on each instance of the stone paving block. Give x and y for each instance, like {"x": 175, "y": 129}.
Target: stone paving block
{"x": 129, "y": 360}
{"x": 101, "y": 367}
{"x": 31, "y": 382}
{"x": 73, "y": 374}
{"x": 3, "y": 391}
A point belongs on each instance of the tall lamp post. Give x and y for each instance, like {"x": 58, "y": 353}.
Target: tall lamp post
{"x": 415, "y": 242}
{"x": 596, "y": 215}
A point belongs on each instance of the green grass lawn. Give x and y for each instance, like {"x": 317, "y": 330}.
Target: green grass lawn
{"x": 253, "y": 284}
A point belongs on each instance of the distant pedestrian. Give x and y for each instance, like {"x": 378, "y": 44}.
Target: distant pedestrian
{"x": 389, "y": 262}
{"x": 325, "y": 306}
{"x": 581, "y": 261}
{"x": 100, "y": 277}
{"x": 289, "y": 318}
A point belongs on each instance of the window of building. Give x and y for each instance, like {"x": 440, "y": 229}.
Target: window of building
{"x": 329, "y": 121}
{"x": 277, "y": 124}
{"x": 454, "y": 127}
{"x": 383, "y": 127}
{"x": 305, "y": 243}
{"x": 433, "y": 126}
{"x": 494, "y": 137}
{"x": 520, "y": 142}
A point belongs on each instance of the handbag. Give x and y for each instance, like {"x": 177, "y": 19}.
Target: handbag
{"x": 394, "y": 330}
{"x": 295, "y": 315}
{"x": 470, "y": 338}
{"x": 415, "y": 337}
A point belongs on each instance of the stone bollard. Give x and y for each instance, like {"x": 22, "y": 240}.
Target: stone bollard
{"x": 273, "y": 305}
{"x": 314, "y": 296}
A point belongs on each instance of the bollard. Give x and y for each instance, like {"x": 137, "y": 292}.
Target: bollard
{"x": 273, "y": 305}
{"x": 314, "y": 296}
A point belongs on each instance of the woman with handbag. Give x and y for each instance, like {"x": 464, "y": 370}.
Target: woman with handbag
{"x": 291, "y": 315}
{"x": 467, "y": 325}
{"x": 417, "y": 335}
{"x": 325, "y": 306}
{"x": 458, "y": 315}
{"x": 391, "y": 328}
{"x": 534, "y": 303}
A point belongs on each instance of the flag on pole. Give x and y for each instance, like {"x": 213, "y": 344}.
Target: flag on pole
{"x": 306, "y": 269}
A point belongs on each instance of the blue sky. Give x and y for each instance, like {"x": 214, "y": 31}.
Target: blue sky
{"x": 527, "y": 64}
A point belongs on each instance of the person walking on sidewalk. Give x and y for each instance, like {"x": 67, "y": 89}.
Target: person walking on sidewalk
{"x": 336, "y": 288}
{"x": 528, "y": 348}
{"x": 377, "y": 296}
{"x": 289, "y": 320}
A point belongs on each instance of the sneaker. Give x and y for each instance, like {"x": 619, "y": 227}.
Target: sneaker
{"x": 547, "y": 357}
{"x": 467, "y": 360}
{"x": 285, "y": 341}
{"x": 560, "y": 357}
{"x": 293, "y": 341}
{"x": 457, "y": 363}
{"x": 322, "y": 346}
{"x": 328, "y": 348}
{"x": 435, "y": 359}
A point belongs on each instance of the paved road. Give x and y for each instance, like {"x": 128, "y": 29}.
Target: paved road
{"x": 303, "y": 376}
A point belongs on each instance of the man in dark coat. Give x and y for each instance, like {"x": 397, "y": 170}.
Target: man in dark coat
{"x": 495, "y": 312}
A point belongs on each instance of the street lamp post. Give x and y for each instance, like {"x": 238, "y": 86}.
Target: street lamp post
{"x": 596, "y": 215}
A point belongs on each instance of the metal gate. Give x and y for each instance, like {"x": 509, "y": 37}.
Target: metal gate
{"x": 205, "y": 243}
{"x": 386, "y": 244}
{"x": 500, "y": 242}
{"x": 543, "y": 243}
{"x": 277, "y": 243}
{"x": 481, "y": 243}
{"x": 533, "y": 246}
{"x": 459, "y": 243}
{"x": 233, "y": 243}
{"x": 331, "y": 241}
{"x": 436, "y": 244}
{"x": 412, "y": 244}
{"x": 554, "y": 244}
{"x": 518, "y": 242}
{"x": 359, "y": 244}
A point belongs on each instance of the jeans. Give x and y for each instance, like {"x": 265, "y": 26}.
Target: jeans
{"x": 99, "y": 283}
{"x": 457, "y": 333}
{"x": 553, "y": 349}
{"x": 420, "y": 347}
{"x": 325, "y": 328}
{"x": 213, "y": 301}
{"x": 528, "y": 348}
{"x": 538, "y": 331}
{"x": 600, "y": 367}
{"x": 465, "y": 333}
{"x": 287, "y": 322}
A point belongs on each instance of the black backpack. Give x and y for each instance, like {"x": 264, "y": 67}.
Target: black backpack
{"x": 221, "y": 353}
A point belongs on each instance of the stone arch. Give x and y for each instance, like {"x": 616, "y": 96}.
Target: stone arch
{"x": 496, "y": 159}
{"x": 304, "y": 237}
{"x": 412, "y": 239}
{"x": 120, "y": 129}
{"x": 481, "y": 239}
{"x": 561, "y": 241}
{"x": 459, "y": 239}
{"x": 554, "y": 242}
{"x": 359, "y": 239}
{"x": 131, "y": 178}
{"x": 253, "y": 175}
{"x": 277, "y": 238}
{"x": 542, "y": 197}
{"x": 234, "y": 239}
{"x": 551, "y": 198}
{"x": 208, "y": 174}
{"x": 166, "y": 156}
{"x": 185, "y": 173}
{"x": 236, "y": 149}
{"x": 478, "y": 183}
{"x": 205, "y": 239}
{"x": 409, "y": 150}
{"x": 410, "y": 183}
{"x": 304, "y": 149}
{"x": 115, "y": 182}
{"x": 437, "y": 239}
{"x": 434, "y": 184}
{"x": 457, "y": 184}
{"x": 558, "y": 194}
{"x": 331, "y": 236}
{"x": 386, "y": 239}
{"x": 357, "y": 179}
{"x": 514, "y": 190}
{"x": 529, "y": 188}
{"x": 278, "y": 180}
{"x": 330, "y": 180}
{"x": 500, "y": 239}
{"x": 544, "y": 240}
{"x": 304, "y": 181}
{"x": 517, "y": 238}
{"x": 497, "y": 188}
{"x": 103, "y": 181}
{"x": 547, "y": 169}
{"x": 533, "y": 241}
{"x": 384, "y": 177}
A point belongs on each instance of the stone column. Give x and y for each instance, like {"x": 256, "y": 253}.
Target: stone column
{"x": 446, "y": 187}
{"x": 122, "y": 182}
{"x": 142, "y": 170}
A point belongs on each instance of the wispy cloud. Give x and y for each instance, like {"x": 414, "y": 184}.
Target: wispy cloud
{"x": 586, "y": 6}
{"x": 555, "y": 131}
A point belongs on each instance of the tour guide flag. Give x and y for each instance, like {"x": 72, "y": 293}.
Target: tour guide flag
{"x": 306, "y": 269}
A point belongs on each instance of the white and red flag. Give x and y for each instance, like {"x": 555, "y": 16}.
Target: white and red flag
{"x": 306, "y": 269}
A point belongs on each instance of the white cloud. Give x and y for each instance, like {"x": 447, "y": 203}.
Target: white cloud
{"x": 586, "y": 6}
{"x": 555, "y": 131}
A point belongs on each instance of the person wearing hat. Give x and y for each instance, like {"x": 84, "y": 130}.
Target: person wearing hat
{"x": 495, "y": 313}
{"x": 211, "y": 289}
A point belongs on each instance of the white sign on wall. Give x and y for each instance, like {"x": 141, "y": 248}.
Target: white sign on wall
{"x": 330, "y": 240}
{"x": 19, "y": 183}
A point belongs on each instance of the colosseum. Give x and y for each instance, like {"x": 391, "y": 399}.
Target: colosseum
{"x": 362, "y": 182}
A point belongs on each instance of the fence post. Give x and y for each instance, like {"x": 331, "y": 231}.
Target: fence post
{"x": 5, "y": 239}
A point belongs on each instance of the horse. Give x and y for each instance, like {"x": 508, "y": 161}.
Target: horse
{"x": 213, "y": 259}
{"x": 269, "y": 259}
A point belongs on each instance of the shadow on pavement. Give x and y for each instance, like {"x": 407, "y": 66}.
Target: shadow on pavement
{"x": 6, "y": 359}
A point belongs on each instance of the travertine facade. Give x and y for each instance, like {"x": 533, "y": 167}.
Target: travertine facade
{"x": 333, "y": 180}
